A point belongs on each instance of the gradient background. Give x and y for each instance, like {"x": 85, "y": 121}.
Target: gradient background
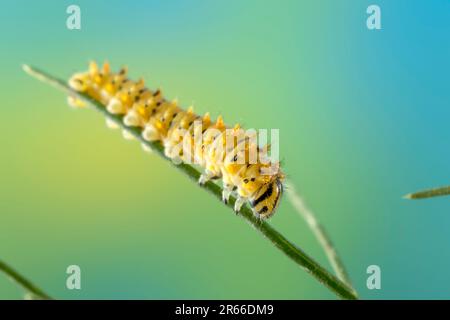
{"x": 363, "y": 118}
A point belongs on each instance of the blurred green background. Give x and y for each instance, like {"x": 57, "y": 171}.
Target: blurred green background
{"x": 363, "y": 118}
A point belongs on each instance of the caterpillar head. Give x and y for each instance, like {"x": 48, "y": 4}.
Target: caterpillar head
{"x": 265, "y": 201}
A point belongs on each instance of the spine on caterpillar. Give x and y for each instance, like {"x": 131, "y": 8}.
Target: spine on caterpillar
{"x": 227, "y": 153}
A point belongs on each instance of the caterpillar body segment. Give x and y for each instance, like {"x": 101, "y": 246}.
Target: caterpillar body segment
{"x": 223, "y": 152}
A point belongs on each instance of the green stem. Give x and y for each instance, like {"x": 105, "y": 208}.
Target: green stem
{"x": 341, "y": 289}
{"x": 319, "y": 231}
{"x": 23, "y": 282}
{"x": 430, "y": 193}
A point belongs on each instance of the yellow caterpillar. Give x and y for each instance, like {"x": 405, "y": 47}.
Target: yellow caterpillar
{"x": 221, "y": 151}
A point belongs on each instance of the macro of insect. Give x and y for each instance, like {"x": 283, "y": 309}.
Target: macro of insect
{"x": 226, "y": 153}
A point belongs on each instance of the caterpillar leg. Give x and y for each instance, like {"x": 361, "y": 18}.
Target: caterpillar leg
{"x": 206, "y": 176}
{"x": 256, "y": 214}
{"x": 226, "y": 193}
{"x": 115, "y": 106}
{"x": 173, "y": 153}
{"x": 131, "y": 119}
{"x": 238, "y": 204}
{"x": 150, "y": 133}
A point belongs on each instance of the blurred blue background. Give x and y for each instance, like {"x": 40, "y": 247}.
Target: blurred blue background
{"x": 363, "y": 118}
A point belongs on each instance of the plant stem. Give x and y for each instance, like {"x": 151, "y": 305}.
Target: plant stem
{"x": 23, "y": 282}
{"x": 430, "y": 193}
{"x": 320, "y": 233}
{"x": 341, "y": 289}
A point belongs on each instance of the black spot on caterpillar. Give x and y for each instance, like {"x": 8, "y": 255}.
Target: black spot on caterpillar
{"x": 187, "y": 137}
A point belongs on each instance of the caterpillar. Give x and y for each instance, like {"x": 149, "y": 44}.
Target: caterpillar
{"x": 223, "y": 152}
